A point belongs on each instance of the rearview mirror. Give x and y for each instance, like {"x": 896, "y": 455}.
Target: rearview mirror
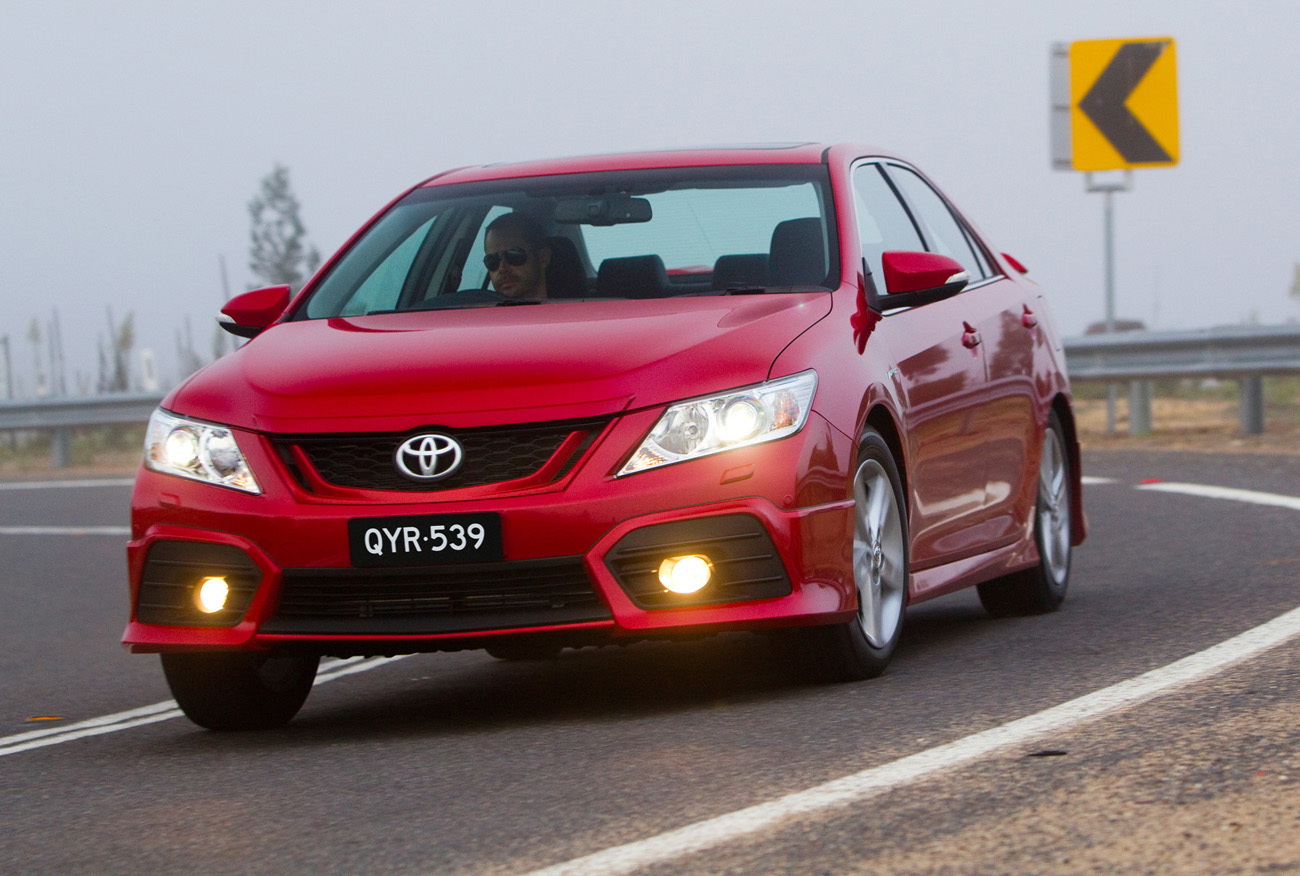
{"x": 614, "y": 210}
{"x": 248, "y": 314}
{"x": 914, "y": 278}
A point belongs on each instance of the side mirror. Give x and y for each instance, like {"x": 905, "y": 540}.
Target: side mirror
{"x": 914, "y": 278}
{"x": 246, "y": 315}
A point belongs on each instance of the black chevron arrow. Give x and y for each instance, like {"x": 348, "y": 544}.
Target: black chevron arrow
{"x": 1105, "y": 103}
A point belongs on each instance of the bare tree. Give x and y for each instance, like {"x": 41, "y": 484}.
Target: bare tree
{"x": 279, "y": 253}
{"x": 115, "y": 361}
{"x": 34, "y": 335}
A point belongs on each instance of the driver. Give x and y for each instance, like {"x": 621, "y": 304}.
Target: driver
{"x": 516, "y": 255}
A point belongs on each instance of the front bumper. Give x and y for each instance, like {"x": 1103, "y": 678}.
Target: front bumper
{"x": 580, "y": 557}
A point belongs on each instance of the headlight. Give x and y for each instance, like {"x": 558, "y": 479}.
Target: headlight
{"x": 199, "y": 451}
{"x": 703, "y": 426}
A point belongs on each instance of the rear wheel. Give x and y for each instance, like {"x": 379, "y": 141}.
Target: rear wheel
{"x": 240, "y": 690}
{"x": 1041, "y": 588}
{"x": 863, "y": 647}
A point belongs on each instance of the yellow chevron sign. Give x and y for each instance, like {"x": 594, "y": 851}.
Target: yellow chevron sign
{"x": 1123, "y": 104}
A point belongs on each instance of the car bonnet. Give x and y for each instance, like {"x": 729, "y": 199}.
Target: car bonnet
{"x": 496, "y": 365}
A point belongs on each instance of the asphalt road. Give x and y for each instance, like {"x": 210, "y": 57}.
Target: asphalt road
{"x": 457, "y": 763}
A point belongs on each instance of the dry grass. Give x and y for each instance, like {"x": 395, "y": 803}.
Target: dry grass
{"x": 106, "y": 451}
{"x": 105, "y": 463}
{"x": 1204, "y": 424}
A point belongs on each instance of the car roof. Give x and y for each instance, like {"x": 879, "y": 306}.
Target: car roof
{"x": 708, "y": 156}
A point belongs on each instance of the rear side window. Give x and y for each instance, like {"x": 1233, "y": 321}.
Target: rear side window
{"x": 380, "y": 289}
{"x": 475, "y": 275}
{"x": 943, "y": 233}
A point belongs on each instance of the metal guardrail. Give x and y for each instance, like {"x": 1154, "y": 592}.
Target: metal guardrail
{"x": 1243, "y": 353}
{"x": 1237, "y": 351}
{"x": 62, "y": 415}
{"x": 66, "y": 413}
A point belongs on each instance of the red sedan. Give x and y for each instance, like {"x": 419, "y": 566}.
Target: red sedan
{"x": 558, "y": 404}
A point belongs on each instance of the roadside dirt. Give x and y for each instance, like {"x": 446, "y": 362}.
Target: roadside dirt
{"x": 1205, "y": 425}
{"x": 1204, "y": 781}
{"x": 117, "y": 463}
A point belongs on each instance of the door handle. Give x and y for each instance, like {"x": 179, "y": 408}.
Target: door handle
{"x": 1028, "y": 320}
{"x": 970, "y": 339}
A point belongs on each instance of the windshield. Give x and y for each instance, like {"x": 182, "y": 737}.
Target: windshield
{"x": 628, "y": 234}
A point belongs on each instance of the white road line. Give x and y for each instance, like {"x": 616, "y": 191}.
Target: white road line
{"x": 1092, "y": 481}
{"x": 58, "y": 485}
{"x": 877, "y": 780}
{"x": 1251, "y": 496}
{"x": 765, "y": 816}
{"x": 65, "y": 530}
{"x": 163, "y": 711}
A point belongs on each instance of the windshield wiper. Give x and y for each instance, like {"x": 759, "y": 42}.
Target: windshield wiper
{"x": 425, "y": 307}
{"x": 745, "y": 290}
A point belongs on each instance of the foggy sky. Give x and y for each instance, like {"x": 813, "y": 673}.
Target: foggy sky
{"x": 132, "y": 136}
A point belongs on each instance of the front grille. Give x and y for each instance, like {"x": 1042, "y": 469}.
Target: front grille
{"x": 446, "y": 599}
{"x": 491, "y": 456}
{"x": 745, "y": 563}
{"x": 173, "y": 571}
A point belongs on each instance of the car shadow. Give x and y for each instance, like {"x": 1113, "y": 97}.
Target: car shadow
{"x": 448, "y": 695}
{"x": 475, "y": 691}
{"x": 935, "y": 628}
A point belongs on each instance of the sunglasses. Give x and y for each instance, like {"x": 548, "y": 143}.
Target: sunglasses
{"x": 514, "y": 257}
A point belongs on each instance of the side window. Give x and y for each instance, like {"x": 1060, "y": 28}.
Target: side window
{"x": 883, "y": 224}
{"x": 475, "y": 275}
{"x": 980, "y": 255}
{"x": 942, "y": 232}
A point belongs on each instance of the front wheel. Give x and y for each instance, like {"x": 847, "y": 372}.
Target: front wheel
{"x": 240, "y": 690}
{"x": 1041, "y": 588}
{"x": 863, "y": 647}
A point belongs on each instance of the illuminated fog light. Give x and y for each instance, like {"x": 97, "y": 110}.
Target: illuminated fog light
{"x": 212, "y": 595}
{"x": 685, "y": 574}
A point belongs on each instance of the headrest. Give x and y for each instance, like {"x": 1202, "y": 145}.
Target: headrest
{"x": 632, "y": 277}
{"x": 565, "y": 277}
{"x": 749, "y": 269}
{"x": 798, "y": 255}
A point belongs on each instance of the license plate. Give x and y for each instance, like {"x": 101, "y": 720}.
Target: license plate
{"x": 425, "y": 540}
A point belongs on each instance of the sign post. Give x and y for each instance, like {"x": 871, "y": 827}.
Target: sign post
{"x": 6, "y": 377}
{"x": 1114, "y": 108}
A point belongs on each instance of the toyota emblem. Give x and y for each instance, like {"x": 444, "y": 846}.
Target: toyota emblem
{"x": 428, "y": 457}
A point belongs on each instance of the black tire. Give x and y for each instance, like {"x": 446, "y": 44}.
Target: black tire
{"x": 1041, "y": 588}
{"x": 524, "y": 650}
{"x": 862, "y": 648}
{"x": 240, "y": 690}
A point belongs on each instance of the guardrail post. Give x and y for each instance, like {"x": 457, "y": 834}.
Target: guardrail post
{"x": 61, "y": 448}
{"x": 1250, "y": 401}
{"x": 1139, "y": 407}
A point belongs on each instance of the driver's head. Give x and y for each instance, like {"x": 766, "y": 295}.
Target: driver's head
{"x": 516, "y": 254}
